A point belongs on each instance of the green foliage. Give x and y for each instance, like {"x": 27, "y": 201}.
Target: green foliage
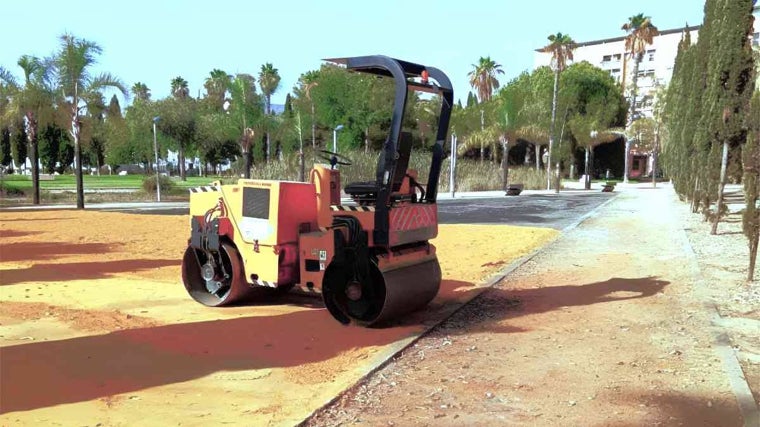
{"x": 5, "y": 147}
{"x": 51, "y": 140}
{"x": 149, "y": 183}
{"x": 708, "y": 99}
{"x": 18, "y": 144}
{"x": 483, "y": 77}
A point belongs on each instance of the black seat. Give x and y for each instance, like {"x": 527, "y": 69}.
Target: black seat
{"x": 365, "y": 192}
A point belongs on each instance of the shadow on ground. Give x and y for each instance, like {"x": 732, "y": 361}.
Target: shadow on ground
{"x": 43, "y": 374}
{"x": 497, "y": 304}
{"x": 80, "y": 270}
{"x": 42, "y": 251}
{"x": 684, "y": 410}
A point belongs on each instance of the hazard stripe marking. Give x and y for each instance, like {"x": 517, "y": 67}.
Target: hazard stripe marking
{"x": 204, "y": 189}
{"x": 343, "y": 208}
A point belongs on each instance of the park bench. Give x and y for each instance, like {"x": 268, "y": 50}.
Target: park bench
{"x": 608, "y": 187}
{"x": 514, "y": 189}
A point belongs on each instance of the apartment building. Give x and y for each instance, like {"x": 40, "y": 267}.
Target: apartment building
{"x": 655, "y": 70}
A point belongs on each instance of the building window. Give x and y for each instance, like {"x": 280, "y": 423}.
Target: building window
{"x": 616, "y": 57}
{"x": 615, "y": 73}
{"x": 756, "y": 39}
{"x": 606, "y": 58}
{"x": 650, "y": 54}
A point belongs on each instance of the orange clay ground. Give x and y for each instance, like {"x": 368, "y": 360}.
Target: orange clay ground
{"x": 96, "y": 327}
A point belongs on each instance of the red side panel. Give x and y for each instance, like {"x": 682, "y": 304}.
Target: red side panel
{"x": 413, "y": 223}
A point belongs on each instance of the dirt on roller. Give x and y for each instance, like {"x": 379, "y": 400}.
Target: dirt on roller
{"x": 96, "y": 327}
{"x": 610, "y": 325}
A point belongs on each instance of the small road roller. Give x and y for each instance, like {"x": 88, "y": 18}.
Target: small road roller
{"x": 370, "y": 257}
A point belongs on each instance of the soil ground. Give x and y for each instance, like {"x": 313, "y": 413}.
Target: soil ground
{"x": 96, "y": 327}
{"x": 615, "y": 323}
{"x": 612, "y": 324}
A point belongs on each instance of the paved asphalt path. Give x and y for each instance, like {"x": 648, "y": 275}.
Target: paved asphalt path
{"x": 539, "y": 209}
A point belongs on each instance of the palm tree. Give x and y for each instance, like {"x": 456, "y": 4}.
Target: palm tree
{"x": 30, "y": 101}
{"x": 141, "y": 92}
{"x": 561, "y": 48}
{"x": 641, "y": 33}
{"x": 245, "y": 109}
{"x": 309, "y": 81}
{"x": 72, "y": 62}
{"x": 216, "y": 85}
{"x": 269, "y": 81}
{"x": 483, "y": 77}
{"x": 179, "y": 88}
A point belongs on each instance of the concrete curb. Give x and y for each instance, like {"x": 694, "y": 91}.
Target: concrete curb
{"x": 487, "y": 284}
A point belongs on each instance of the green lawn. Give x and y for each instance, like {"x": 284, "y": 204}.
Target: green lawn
{"x": 68, "y": 182}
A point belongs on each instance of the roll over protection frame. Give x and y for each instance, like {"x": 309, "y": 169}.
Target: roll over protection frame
{"x": 401, "y": 72}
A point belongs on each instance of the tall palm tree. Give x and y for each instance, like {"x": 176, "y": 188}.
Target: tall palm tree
{"x": 216, "y": 85}
{"x": 483, "y": 77}
{"x": 29, "y": 101}
{"x": 245, "y": 109}
{"x": 179, "y": 88}
{"x": 141, "y": 92}
{"x": 309, "y": 81}
{"x": 641, "y": 33}
{"x": 561, "y": 48}
{"x": 73, "y": 62}
{"x": 269, "y": 81}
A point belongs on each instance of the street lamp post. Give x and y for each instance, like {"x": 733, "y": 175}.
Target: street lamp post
{"x": 335, "y": 137}
{"x": 155, "y": 150}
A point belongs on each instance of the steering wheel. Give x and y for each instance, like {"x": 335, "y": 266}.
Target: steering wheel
{"x": 334, "y": 158}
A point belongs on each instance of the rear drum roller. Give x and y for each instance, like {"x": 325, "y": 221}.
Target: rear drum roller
{"x": 381, "y": 297}
{"x": 214, "y": 278}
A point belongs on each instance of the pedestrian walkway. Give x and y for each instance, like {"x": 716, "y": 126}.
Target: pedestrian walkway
{"x": 605, "y": 326}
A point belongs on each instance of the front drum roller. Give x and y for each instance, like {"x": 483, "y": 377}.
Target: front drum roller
{"x": 215, "y": 278}
{"x": 381, "y": 297}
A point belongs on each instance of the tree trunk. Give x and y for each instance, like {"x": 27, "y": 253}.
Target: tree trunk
{"x": 752, "y": 257}
{"x": 267, "y": 149}
{"x": 482, "y": 140}
{"x": 526, "y": 159}
{"x": 77, "y": 159}
{"x": 626, "y": 163}
{"x": 505, "y": 162}
{"x": 587, "y": 178}
{"x": 695, "y": 196}
{"x": 182, "y": 166}
{"x": 366, "y": 140}
{"x": 551, "y": 130}
{"x": 721, "y": 187}
{"x": 631, "y": 110}
{"x": 31, "y": 136}
{"x": 247, "y": 162}
{"x": 313, "y": 128}
{"x": 655, "y": 153}
{"x": 537, "y": 152}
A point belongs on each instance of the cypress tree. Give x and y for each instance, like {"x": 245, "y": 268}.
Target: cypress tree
{"x": 751, "y": 160}
{"x": 5, "y": 147}
{"x": 18, "y": 145}
{"x": 731, "y": 83}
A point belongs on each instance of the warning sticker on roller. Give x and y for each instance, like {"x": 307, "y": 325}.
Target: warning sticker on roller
{"x": 321, "y": 266}
{"x": 323, "y": 255}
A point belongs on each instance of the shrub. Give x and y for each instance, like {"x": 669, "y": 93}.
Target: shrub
{"x": 149, "y": 183}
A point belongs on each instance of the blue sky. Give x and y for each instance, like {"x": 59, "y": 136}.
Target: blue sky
{"x": 154, "y": 41}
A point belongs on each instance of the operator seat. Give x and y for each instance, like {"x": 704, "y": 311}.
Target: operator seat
{"x": 365, "y": 192}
